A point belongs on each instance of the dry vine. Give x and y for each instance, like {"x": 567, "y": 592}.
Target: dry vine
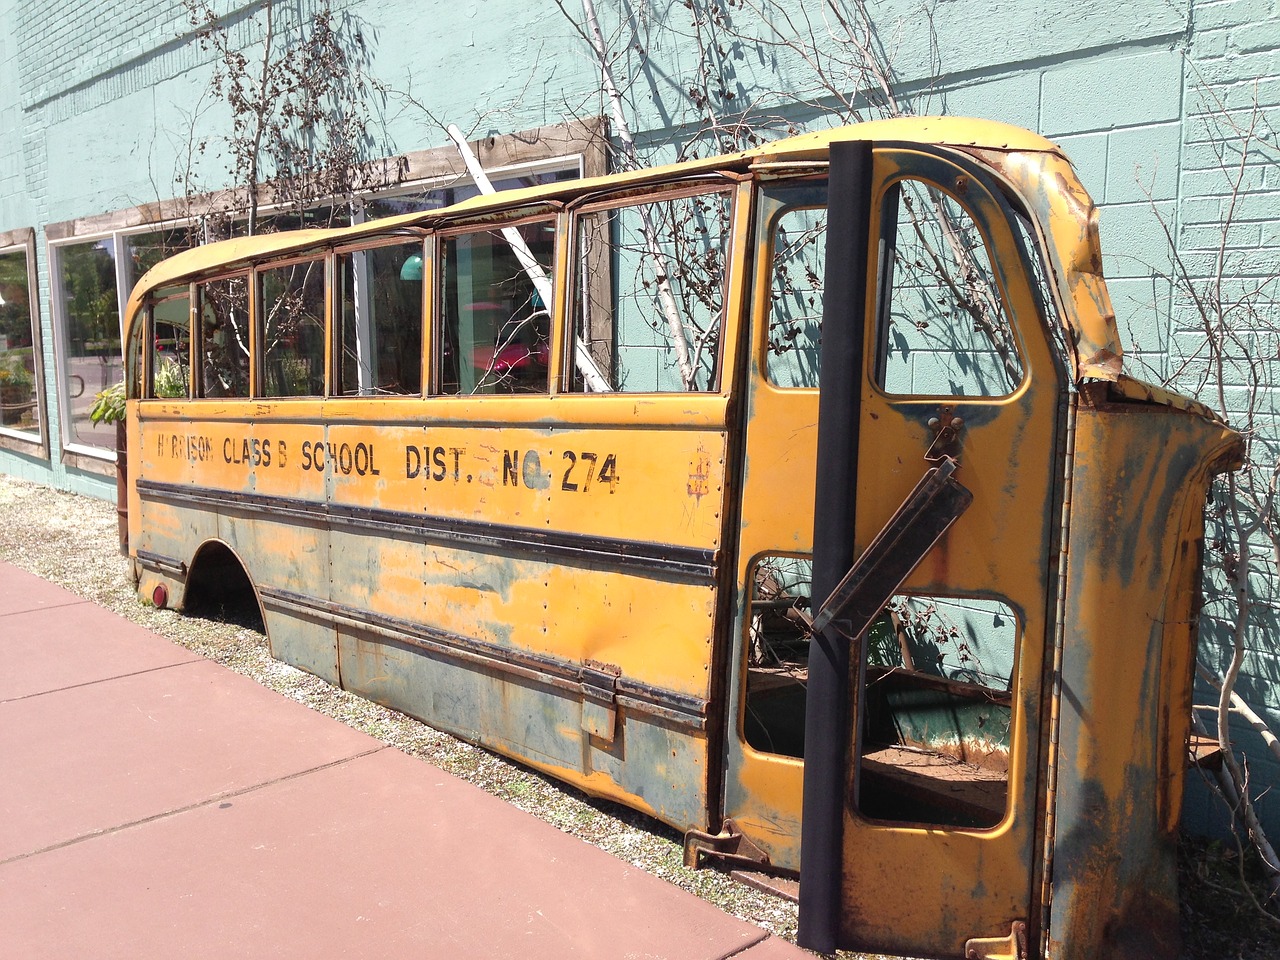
{"x": 1236, "y": 311}
{"x": 299, "y": 96}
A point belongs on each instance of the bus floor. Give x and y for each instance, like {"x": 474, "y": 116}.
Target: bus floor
{"x": 159, "y": 805}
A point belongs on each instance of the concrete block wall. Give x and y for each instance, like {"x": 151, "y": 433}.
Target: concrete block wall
{"x": 1233, "y": 86}
{"x": 93, "y": 103}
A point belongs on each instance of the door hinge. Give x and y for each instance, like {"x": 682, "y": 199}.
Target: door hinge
{"x": 730, "y": 845}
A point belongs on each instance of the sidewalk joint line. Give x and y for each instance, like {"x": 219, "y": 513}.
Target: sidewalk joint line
{"x": 74, "y": 601}
{"x": 216, "y": 798}
{"x": 119, "y": 676}
{"x": 764, "y": 935}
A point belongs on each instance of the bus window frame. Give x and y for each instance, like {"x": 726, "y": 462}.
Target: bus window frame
{"x": 148, "y": 322}
{"x": 426, "y": 250}
{"x": 766, "y": 235}
{"x": 887, "y": 234}
{"x": 246, "y": 272}
{"x": 434, "y": 338}
{"x": 604, "y": 201}
{"x": 257, "y": 338}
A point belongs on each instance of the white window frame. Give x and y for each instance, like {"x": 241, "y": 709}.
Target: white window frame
{"x": 78, "y": 454}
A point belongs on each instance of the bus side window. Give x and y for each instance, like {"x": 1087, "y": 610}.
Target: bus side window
{"x": 171, "y": 347}
{"x": 134, "y": 351}
{"x": 642, "y": 271}
{"x": 495, "y": 312}
{"x": 944, "y": 330}
{"x": 292, "y": 328}
{"x": 798, "y": 246}
{"x": 380, "y": 312}
{"x": 224, "y": 337}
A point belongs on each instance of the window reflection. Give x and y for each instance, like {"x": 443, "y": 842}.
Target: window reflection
{"x": 19, "y": 409}
{"x": 90, "y": 335}
{"x": 224, "y": 337}
{"x": 649, "y": 291}
{"x": 496, "y": 310}
{"x": 293, "y": 329}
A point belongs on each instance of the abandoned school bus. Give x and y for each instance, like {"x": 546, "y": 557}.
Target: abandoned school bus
{"x": 798, "y": 498}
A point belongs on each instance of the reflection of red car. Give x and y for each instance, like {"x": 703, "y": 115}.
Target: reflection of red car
{"x": 514, "y": 358}
{"x": 521, "y": 351}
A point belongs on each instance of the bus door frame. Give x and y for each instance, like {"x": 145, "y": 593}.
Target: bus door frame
{"x": 854, "y": 413}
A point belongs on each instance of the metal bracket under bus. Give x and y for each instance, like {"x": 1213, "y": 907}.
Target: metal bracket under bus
{"x": 1012, "y": 947}
{"x": 935, "y": 503}
{"x": 730, "y": 846}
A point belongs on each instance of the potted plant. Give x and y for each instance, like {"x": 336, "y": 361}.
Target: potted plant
{"x": 108, "y": 405}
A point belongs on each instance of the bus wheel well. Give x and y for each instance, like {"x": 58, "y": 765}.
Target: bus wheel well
{"x": 218, "y": 587}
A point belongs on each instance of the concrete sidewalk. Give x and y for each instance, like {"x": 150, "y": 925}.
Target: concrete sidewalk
{"x": 155, "y": 804}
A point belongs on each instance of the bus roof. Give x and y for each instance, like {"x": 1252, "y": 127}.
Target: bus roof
{"x": 945, "y": 131}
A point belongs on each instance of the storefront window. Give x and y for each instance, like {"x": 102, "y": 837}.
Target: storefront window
{"x": 20, "y": 413}
{"x": 88, "y": 326}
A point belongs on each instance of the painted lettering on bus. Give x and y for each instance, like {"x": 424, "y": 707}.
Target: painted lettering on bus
{"x": 343, "y": 458}
{"x": 520, "y": 468}
{"x": 580, "y": 471}
{"x": 184, "y": 446}
{"x": 435, "y": 463}
{"x": 527, "y": 470}
{"x": 250, "y": 451}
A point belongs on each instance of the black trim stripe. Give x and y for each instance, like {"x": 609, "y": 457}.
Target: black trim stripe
{"x": 667, "y": 561}
{"x": 170, "y": 566}
{"x": 565, "y": 675}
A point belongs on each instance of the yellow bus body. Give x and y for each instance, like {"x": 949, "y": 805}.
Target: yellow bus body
{"x": 574, "y": 579}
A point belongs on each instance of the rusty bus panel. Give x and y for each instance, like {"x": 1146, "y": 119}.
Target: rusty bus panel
{"x": 1131, "y": 589}
{"x": 616, "y": 587}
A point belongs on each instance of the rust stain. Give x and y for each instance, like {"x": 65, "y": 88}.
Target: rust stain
{"x": 700, "y": 474}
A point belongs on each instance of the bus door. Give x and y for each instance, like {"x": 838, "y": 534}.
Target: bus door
{"x": 924, "y": 835}
{"x": 923, "y": 802}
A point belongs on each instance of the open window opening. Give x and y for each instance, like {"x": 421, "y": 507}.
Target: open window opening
{"x": 224, "y": 337}
{"x": 292, "y": 329}
{"x": 944, "y": 329}
{"x": 649, "y": 290}
{"x": 798, "y": 243}
{"x": 380, "y": 313}
{"x": 935, "y": 712}
{"x": 778, "y": 655}
{"x": 935, "y": 708}
{"x": 171, "y": 344}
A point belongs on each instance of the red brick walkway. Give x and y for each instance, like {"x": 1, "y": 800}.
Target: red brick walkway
{"x": 155, "y": 804}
